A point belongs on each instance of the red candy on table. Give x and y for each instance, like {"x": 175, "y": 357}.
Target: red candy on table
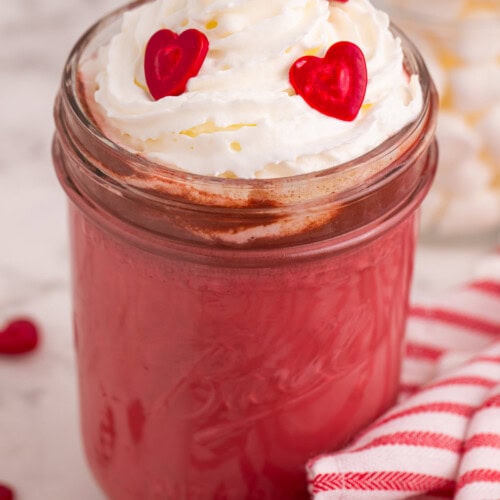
{"x": 19, "y": 337}
{"x": 334, "y": 85}
{"x": 171, "y": 60}
{"x": 6, "y": 493}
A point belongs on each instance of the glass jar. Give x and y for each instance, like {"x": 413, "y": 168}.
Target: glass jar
{"x": 460, "y": 41}
{"x": 227, "y": 330}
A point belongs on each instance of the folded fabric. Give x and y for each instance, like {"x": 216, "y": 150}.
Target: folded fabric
{"x": 442, "y": 439}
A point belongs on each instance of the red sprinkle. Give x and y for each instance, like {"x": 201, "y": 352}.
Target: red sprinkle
{"x": 334, "y": 85}
{"x": 19, "y": 337}
{"x": 171, "y": 60}
{"x": 6, "y": 493}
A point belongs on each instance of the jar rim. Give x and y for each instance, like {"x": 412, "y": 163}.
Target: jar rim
{"x": 387, "y": 149}
{"x": 334, "y": 208}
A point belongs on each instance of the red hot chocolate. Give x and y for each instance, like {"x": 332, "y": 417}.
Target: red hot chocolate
{"x": 227, "y": 330}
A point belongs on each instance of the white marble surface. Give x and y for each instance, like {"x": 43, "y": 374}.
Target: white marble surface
{"x": 39, "y": 445}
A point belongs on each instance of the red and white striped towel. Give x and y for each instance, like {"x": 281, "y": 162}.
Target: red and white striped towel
{"x": 442, "y": 439}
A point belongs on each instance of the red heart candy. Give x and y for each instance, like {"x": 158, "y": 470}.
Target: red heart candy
{"x": 20, "y": 336}
{"x": 171, "y": 60}
{"x": 6, "y": 493}
{"x": 334, "y": 85}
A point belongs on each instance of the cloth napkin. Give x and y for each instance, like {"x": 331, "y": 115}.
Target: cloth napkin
{"x": 442, "y": 438}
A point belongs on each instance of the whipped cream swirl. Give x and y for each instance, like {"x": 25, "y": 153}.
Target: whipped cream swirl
{"x": 239, "y": 117}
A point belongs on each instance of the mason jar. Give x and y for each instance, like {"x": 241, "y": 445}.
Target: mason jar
{"x": 227, "y": 330}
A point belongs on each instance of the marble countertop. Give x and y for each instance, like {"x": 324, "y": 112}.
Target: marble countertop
{"x": 40, "y": 451}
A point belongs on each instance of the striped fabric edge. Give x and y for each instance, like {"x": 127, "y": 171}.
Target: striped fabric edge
{"x": 414, "y": 438}
{"x": 465, "y": 380}
{"x": 415, "y": 371}
{"x": 455, "y": 409}
{"x": 454, "y": 318}
{"x": 482, "y": 440}
{"x": 478, "y": 476}
{"x": 486, "y": 286}
{"x": 482, "y": 452}
{"x": 381, "y": 481}
{"x": 422, "y": 351}
{"x": 471, "y": 302}
{"x": 447, "y": 337}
